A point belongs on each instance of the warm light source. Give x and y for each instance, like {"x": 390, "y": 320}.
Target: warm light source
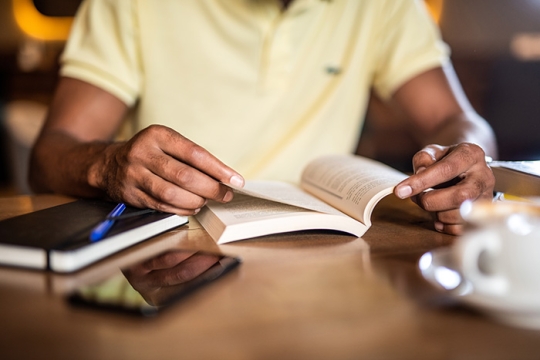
{"x": 435, "y": 8}
{"x": 39, "y": 26}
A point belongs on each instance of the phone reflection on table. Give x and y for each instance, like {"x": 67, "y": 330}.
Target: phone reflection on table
{"x": 148, "y": 287}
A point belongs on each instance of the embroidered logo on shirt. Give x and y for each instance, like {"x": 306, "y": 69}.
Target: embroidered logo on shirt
{"x": 333, "y": 70}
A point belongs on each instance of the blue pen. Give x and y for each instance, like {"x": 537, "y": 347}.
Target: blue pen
{"x": 103, "y": 227}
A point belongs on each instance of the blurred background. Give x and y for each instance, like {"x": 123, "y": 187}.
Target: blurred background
{"x": 495, "y": 51}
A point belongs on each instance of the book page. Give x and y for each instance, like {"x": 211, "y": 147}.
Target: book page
{"x": 245, "y": 208}
{"x": 352, "y": 184}
{"x": 285, "y": 193}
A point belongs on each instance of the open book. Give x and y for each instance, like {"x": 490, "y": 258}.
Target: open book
{"x": 336, "y": 192}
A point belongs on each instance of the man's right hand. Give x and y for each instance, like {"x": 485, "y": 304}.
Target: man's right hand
{"x": 160, "y": 169}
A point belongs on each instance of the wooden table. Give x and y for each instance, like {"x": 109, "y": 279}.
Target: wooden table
{"x": 297, "y": 296}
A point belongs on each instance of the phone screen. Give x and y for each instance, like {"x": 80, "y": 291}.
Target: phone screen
{"x": 154, "y": 284}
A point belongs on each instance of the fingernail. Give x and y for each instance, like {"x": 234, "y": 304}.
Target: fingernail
{"x": 228, "y": 196}
{"x": 420, "y": 169}
{"x": 439, "y": 226}
{"x": 404, "y": 192}
{"x": 237, "y": 181}
{"x": 196, "y": 211}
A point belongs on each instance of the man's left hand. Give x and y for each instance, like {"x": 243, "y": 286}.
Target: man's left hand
{"x": 444, "y": 177}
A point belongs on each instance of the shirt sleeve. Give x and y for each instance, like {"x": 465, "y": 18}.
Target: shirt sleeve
{"x": 102, "y": 48}
{"x": 409, "y": 43}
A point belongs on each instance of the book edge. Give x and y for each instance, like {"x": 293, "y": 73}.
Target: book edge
{"x": 515, "y": 182}
{"x": 292, "y": 223}
{"x": 68, "y": 261}
{"x": 23, "y": 256}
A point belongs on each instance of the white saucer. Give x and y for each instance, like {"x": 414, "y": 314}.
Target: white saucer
{"x": 438, "y": 268}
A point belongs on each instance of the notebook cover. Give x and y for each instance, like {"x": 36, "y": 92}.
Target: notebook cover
{"x": 67, "y": 227}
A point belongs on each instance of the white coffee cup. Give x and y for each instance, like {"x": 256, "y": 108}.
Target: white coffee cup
{"x": 501, "y": 256}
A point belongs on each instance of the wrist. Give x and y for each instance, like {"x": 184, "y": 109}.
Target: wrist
{"x": 99, "y": 169}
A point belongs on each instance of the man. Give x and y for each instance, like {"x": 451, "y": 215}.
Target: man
{"x": 260, "y": 85}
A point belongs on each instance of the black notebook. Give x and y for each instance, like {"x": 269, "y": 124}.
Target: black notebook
{"x": 57, "y": 238}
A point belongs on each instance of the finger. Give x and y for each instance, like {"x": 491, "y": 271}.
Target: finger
{"x": 428, "y": 156}
{"x": 171, "y": 194}
{"x": 423, "y": 159}
{"x": 186, "y": 177}
{"x": 142, "y": 199}
{"x": 163, "y": 261}
{"x": 167, "y": 260}
{"x": 451, "y": 197}
{"x": 451, "y": 217}
{"x": 451, "y": 222}
{"x": 190, "y": 153}
{"x": 454, "y": 165}
{"x": 185, "y": 271}
{"x": 451, "y": 229}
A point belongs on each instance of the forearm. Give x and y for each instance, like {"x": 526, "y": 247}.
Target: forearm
{"x": 440, "y": 113}
{"x": 466, "y": 127}
{"x": 61, "y": 164}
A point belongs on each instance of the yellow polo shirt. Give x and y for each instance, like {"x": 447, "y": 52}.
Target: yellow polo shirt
{"x": 263, "y": 90}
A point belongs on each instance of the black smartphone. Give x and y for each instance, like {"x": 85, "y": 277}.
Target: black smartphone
{"x": 150, "y": 286}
